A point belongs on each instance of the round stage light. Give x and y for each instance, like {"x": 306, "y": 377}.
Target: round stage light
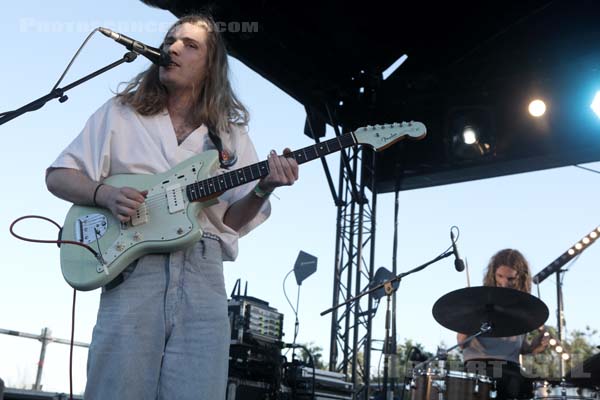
{"x": 537, "y": 108}
{"x": 469, "y": 135}
{"x": 595, "y": 106}
{"x": 559, "y": 349}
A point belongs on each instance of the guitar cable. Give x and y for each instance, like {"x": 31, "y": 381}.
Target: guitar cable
{"x": 57, "y": 242}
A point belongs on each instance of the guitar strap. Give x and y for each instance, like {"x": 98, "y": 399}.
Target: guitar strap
{"x": 226, "y": 159}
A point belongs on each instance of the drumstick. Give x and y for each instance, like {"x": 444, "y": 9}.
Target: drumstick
{"x": 467, "y": 271}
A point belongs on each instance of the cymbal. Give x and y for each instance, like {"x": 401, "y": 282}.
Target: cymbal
{"x": 510, "y": 312}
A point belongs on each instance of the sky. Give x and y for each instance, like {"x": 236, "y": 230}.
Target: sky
{"x": 540, "y": 213}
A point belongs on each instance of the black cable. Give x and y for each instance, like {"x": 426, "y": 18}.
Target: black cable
{"x": 58, "y": 242}
{"x": 74, "y": 57}
{"x": 452, "y": 228}
{"x": 71, "y": 346}
{"x": 295, "y": 309}
{"x": 285, "y": 293}
{"x": 74, "y": 291}
{"x": 311, "y": 363}
{"x": 66, "y": 69}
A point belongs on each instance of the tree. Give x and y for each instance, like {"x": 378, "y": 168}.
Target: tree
{"x": 316, "y": 352}
{"x": 578, "y": 347}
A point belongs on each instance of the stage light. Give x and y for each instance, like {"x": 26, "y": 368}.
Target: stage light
{"x": 537, "y": 108}
{"x": 568, "y": 255}
{"x": 469, "y": 135}
{"x": 392, "y": 68}
{"x": 558, "y": 349}
{"x": 595, "y": 106}
{"x": 470, "y": 132}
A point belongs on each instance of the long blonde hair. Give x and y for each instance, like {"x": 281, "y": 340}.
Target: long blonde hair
{"x": 215, "y": 103}
{"x": 513, "y": 259}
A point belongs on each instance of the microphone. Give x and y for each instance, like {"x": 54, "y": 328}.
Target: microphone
{"x": 153, "y": 54}
{"x": 458, "y": 263}
{"x": 417, "y": 355}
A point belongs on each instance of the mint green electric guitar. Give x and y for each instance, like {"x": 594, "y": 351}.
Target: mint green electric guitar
{"x": 167, "y": 220}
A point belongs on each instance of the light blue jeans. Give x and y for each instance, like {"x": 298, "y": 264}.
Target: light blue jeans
{"x": 163, "y": 333}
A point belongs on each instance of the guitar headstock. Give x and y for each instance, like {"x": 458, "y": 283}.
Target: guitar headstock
{"x": 382, "y": 136}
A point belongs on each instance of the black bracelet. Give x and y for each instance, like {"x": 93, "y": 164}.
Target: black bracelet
{"x": 96, "y": 193}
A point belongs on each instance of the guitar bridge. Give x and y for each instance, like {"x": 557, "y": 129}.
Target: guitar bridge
{"x": 90, "y": 227}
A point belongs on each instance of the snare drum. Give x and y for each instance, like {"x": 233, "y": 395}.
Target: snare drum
{"x": 544, "y": 390}
{"x": 451, "y": 385}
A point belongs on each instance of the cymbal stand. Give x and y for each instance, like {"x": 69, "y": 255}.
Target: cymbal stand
{"x": 442, "y": 354}
{"x": 560, "y": 318}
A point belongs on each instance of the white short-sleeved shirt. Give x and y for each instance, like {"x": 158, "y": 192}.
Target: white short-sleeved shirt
{"x": 117, "y": 140}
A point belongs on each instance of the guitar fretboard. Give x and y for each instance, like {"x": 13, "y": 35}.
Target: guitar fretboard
{"x": 228, "y": 180}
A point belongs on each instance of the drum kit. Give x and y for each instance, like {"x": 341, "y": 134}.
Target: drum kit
{"x": 492, "y": 312}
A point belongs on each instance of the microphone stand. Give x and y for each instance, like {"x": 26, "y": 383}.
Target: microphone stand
{"x": 59, "y": 93}
{"x": 388, "y": 287}
{"x": 390, "y": 346}
{"x": 397, "y": 278}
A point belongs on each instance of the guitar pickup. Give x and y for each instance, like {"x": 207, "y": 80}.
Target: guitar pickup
{"x": 141, "y": 215}
{"x": 175, "y": 201}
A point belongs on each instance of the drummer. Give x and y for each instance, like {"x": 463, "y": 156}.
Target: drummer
{"x": 499, "y": 357}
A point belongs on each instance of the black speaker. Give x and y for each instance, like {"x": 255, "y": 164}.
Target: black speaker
{"x": 240, "y": 389}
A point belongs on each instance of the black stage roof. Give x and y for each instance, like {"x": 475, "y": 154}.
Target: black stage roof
{"x": 469, "y": 62}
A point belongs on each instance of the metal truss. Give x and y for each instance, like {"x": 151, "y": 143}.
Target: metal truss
{"x": 350, "y": 341}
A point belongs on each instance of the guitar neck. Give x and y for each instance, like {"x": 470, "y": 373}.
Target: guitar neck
{"x": 229, "y": 180}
